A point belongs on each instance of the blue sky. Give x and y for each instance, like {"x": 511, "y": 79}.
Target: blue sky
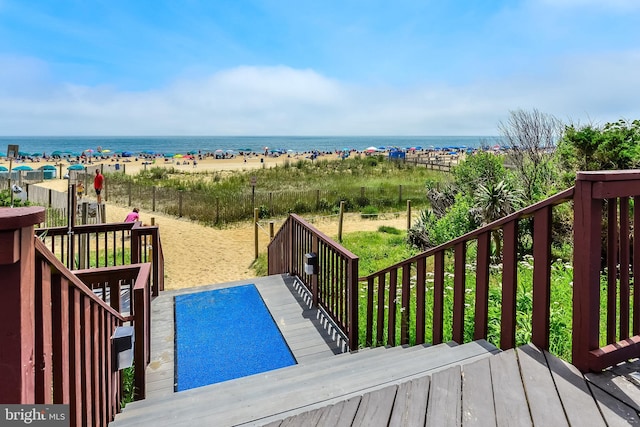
{"x": 281, "y": 67}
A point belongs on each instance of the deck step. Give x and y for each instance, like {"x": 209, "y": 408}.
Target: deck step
{"x": 299, "y": 388}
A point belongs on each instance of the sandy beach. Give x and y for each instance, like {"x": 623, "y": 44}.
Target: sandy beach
{"x": 197, "y": 255}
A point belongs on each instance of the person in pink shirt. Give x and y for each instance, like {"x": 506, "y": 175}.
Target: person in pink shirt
{"x": 133, "y": 216}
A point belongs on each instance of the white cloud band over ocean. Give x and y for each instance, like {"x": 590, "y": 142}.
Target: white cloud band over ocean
{"x": 452, "y": 92}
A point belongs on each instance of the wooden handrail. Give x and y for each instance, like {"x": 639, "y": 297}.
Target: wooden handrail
{"x": 335, "y": 286}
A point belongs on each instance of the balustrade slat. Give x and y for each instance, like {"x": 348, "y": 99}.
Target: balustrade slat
{"x": 636, "y": 266}
{"x": 624, "y": 268}
{"x": 380, "y": 313}
{"x": 370, "y": 293}
{"x": 421, "y": 284}
{"x": 393, "y": 284}
{"x": 612, "y": 269}
{"x": 60, "y": 339}
{"x": 509, "y": 281}
{"x": 541, "y": 277}
{"x": 438, "y": 297}
{"x": 75, "y": 362}
{"x": 87, "y": 374}
{"x": 482, "y": 286}
{"x": 43, "y": 336}
{"x": 460, "y": 256}
{"x": 95, "y": 363}
{"x": 405, "y": 312}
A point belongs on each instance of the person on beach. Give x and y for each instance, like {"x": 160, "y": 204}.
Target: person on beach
{"x": 98, "y": 184}
{"x": 133, "y": 216}
{"x": 79, "y": 190}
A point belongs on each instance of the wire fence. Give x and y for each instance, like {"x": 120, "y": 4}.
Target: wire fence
{"x": 218, "y": 209}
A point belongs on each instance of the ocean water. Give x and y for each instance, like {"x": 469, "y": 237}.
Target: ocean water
{"x": 184, "y": 144}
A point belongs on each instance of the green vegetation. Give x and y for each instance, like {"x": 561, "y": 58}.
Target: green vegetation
{"x": 5, "y": 200}
{"x": 215, "y": 198}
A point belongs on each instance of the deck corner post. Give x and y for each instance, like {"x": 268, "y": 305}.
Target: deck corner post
{"x": 17, "y": 303}
{"x": 586, "y": 267}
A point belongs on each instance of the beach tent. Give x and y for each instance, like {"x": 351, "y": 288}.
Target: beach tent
{"x": 76, "y": 168}
{"x": 47, "y": 168}
{"x": 23, "y": 168}
{"x": 3, "y": 169}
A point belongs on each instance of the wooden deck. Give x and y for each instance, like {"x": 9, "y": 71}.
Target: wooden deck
{"x": 518, "y": 387}
{"x": 309, "y": 336}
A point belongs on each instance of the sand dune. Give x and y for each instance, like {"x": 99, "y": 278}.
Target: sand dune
{"x": 198, "y": 255}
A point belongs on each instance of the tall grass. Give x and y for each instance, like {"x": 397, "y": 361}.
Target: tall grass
{"x": 300, "y": 186}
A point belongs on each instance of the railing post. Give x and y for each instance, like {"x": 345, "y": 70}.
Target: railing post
{"x": 17, "y": 293}
{"x": 586, "y": 271}
{"x": 352, "y": 301}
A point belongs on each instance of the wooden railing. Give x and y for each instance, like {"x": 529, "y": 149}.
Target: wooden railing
{"x": 335, "y": 286}
{"x": 102, "y": 245}
{"x": 606, "y": 256}
{"x": 394, "y": 286}
{"x": 405, "y": 302}
{"x": 56, "y": 331}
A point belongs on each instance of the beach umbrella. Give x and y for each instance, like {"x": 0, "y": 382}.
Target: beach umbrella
{"x": 245, "y": 149}
{"x": 23, "y": 168}
{"x": 193, "y": 152}
{"x": 47, "y": 167}
{"x": 75, "y": 168}
{"x": 371, "y": 149}
{"x": 382, "y": 148}
{"x": 178, "y": 156}
{"x": 37, "y": 154}
{"x": 3, "y": 169}
{"x": 127, "y": 154}
{"x": 168, "y": 155}
{"x": 219, "y": 151}
{"x": 3, "y": 154}
{"x": 106, "y": 151}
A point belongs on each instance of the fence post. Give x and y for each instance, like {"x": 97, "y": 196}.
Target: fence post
{"x": 50, "y": 197}
{"x": 340, "y": 220}
{"x": 153, "y": 199}
{"x": 256, "y": 212}
{"x": 408, "y": 215}
{"x": 129, "y": 193}
{"x": 17, "y": 294}
{"x": 271, "y": 233}
{"x": 400, "y": 193}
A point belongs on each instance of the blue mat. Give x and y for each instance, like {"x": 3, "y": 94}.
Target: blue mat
{"x": 225, "y": 334}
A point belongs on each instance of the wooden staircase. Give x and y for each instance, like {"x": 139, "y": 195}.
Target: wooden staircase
{"x": 287, "y": 392}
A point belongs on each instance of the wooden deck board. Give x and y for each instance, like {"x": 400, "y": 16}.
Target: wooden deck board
{"x": 580, "y": 407}
{"x": 341, "y": 414}
{"x": 444, "y": 407}
{"x": 477, "y": 395}
{"x": 544, "y": 404}
{"x": 615, "y": 412}
{"x": 508, "y": 391}
{"x": 375, "y": 408}
{"x": 410, "y": 406}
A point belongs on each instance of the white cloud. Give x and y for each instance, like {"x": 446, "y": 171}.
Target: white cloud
{"x": 287, "y": 101}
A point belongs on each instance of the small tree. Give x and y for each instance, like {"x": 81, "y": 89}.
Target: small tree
{"x": 531, "y": 137}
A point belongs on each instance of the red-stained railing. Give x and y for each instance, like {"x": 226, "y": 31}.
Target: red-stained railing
{"x": 405, "y": 302}
{"x": 102, "y": 245}
{"x": 335, "y": 286}
{"x": 396, "y": 296}
{"x": 56, "y": 331}
{"x": 606, "y": 257}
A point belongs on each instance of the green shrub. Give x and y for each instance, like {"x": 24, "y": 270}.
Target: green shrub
{"x": 369, "y": 212}
{"x": 389, "y": 230}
